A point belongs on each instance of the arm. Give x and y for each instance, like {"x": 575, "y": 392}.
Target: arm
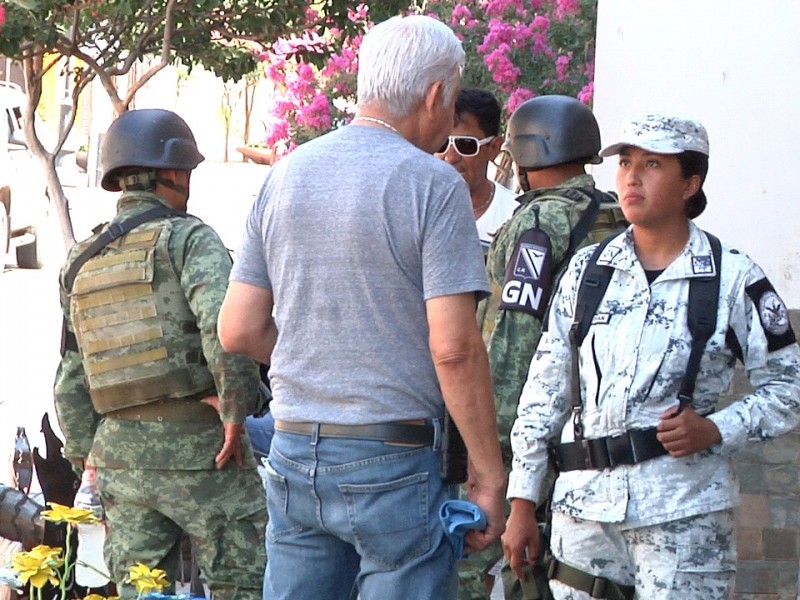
{"x": 462, "y": 368}
{"x": 245, "y": 321}
{"x": 512, "y": 336}
{"x": 772, "y": 364}
{"x": 204, "y": 266}
{"x": 543, "y": 409}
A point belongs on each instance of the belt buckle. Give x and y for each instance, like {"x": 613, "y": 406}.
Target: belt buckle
{"x": 596, "y": 453}
{"x": 619, "y": 449}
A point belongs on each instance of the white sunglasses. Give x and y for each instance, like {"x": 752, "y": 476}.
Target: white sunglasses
{"x": 465, "y": 145}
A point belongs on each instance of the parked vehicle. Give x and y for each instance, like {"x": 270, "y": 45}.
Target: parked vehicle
{"x": 23, "y": 199}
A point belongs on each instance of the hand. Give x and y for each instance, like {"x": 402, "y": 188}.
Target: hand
{"x": 212, "y": 401}
{"x": 522, "y": 539}
{"x": 231, "y": 447}
{"x": 489, "y": 497}
{"x": 685, "y": 433}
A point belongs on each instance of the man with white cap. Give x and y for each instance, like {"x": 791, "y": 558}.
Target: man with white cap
{"x": 624, "y": 393}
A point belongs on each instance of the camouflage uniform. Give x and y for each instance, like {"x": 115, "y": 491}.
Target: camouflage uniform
{"x": 157, "y": 478}
{"x": 511, "y": 336}
{"x": 631, "y": 365}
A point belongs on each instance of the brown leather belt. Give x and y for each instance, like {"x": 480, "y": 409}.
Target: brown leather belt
{"x": 417, "y": 432}
{"x": 170, "y": 409}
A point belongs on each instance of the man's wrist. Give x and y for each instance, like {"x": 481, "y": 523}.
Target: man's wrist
{"x": 523, "y": 505}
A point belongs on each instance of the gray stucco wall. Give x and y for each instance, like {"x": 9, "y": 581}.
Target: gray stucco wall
{"x": 768, "y": 519}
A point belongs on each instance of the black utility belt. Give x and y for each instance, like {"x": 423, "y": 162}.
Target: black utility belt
{"x": 628, "y": 448}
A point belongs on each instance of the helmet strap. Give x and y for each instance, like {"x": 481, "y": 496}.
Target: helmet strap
{"x": 522, "y": 175}
{"x": 175, "y": 187}
{"x": 142, "y": 181}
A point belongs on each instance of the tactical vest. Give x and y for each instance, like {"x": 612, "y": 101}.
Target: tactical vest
{"x": 138, "y": 338}
{"x": 532, "y": 272}
{"x": 609, "y": 218}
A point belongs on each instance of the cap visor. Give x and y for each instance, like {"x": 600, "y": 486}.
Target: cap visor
{"x": 615, "y": 149}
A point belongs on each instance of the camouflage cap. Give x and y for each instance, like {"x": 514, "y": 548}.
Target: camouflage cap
{"x": 661, "y": 134}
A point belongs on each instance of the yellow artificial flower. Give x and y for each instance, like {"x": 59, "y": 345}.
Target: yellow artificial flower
{"x": 147, "y": 580}
{"x": 38, "y": 566}
{"x": 58, "y": 513}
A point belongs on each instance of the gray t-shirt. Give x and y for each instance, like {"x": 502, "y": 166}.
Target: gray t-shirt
{"x": 353, "y": 232}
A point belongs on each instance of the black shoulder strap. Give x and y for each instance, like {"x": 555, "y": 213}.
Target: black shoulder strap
{"x": 592, "y": 288}
{"x": 702, "y": 319}
{"x": 112, "y": 232}
{"x": 701, "y": 312}
{"x": 584, "y": 224}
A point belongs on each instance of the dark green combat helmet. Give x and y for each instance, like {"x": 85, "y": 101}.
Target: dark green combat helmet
{"x": 552, "y": 130}
{"x": 148, "y": 138}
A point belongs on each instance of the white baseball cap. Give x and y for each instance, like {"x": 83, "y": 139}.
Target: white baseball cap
{"x": 661, "y": 134}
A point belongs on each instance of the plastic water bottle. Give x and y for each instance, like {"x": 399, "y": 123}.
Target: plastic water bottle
{"x": 90, "y": 537}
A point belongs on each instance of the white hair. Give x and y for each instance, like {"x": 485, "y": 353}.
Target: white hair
{"x": 401, "y": 58}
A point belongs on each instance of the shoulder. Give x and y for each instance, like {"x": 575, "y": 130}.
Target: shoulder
{"x": 735, "y": 263}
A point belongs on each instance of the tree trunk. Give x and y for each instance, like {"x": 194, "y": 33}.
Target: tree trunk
{"x": 55, "y": 192}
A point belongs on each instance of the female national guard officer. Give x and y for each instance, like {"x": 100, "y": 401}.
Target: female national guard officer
{"x": 643, "y": 503}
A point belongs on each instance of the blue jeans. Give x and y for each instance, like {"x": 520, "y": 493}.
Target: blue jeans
{"x": 345, "y": 512}
{"x": 260, "y": 431}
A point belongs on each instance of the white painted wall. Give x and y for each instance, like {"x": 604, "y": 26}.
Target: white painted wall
{"x": 198, "y": 98}
{"x": 733, "y": 65}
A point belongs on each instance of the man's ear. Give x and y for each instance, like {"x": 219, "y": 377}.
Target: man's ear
{"x": 494, "y": 146}
{"x": 434, "y": 95}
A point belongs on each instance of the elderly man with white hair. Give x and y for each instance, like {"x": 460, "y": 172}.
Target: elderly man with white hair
{"x": 365, "y": 245}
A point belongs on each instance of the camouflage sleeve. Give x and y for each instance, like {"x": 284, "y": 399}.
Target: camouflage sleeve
{"x": 511, "y": 336}
{"x": 204, "y": 266}
{"x": 545, "y": 403}
{"x": 772, "y": 363}
{"x": 76, "y": 415}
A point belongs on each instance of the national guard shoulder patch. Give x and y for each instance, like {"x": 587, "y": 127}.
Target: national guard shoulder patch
{"x": 529, "y": 276}
{"x": 772, "y": 313}
{"x": 702, "y": 265}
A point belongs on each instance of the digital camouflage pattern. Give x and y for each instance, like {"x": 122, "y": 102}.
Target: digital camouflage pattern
{"x": 511, "y": 336}
{"x": 661, "y": 134}
{"x": 137, "y": 335}
{"x": 201, "y": 264}
{"x": 631, "y": 365}
{"x": 229, "y": 543}
{"x": 690, "y": 558}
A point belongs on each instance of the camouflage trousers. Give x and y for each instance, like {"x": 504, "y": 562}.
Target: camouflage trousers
{"x": 223, "y": 512}
{"x": 693, "y": 557}
{"x": 474, "y": 570}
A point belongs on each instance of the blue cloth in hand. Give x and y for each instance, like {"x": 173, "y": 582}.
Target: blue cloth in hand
{"x": 458, "y": 517}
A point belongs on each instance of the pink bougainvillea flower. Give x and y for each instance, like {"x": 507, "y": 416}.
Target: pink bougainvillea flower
{"x": 587, "y": 93}
{"x": 566, "y": 8}
{"x": 517, "y": 97}
{"x": 562, "y": 65}
{"x": 359, "y": 15}
{"x": 462, "y": 16}
{"x": 502, "y": 8}
{"x": 504, "y": 72}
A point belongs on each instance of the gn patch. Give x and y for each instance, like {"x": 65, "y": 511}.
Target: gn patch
{"x": 529, "y": 274}
{"x": 772, "y": 313}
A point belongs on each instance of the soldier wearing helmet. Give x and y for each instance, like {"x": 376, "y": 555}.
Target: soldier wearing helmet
{"x": 144, "y": 393}
{"x": 551, "y": 139}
